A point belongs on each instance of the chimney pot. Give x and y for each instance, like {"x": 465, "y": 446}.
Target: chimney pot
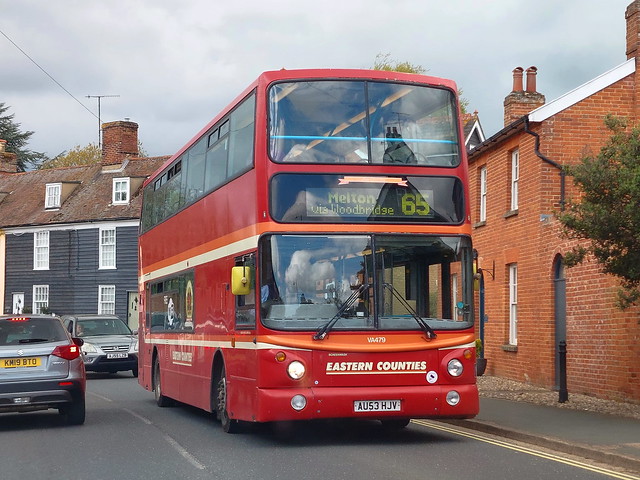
{"x": 517, "y": 79}
{"x": 531, "y": 79}
{"x": 3, "y": 145}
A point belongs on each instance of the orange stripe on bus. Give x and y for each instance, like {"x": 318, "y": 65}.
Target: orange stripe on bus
{"x": 404, "y": 342}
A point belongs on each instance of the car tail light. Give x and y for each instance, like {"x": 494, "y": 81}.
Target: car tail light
{"x": 68, "y": 352}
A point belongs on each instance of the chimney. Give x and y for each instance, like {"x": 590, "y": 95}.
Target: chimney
{"x": 522, "y": 100}
{"x": 119, "y": 141}
{"x": 632, "y": 16}
{"x": 8, "y": 161}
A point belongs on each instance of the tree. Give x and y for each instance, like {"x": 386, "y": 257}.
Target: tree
{"x": 608, "y": 213}
{"x": 17, "y": 141}
{"x": 384, "y": 62}
{"x": 77, "y": 156}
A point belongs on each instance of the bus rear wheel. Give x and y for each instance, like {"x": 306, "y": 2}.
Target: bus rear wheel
{"x": 229, "y": 425}
{"x": 161, "y": 400}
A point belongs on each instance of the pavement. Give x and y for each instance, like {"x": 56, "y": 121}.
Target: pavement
{"x": 609, "y": 439}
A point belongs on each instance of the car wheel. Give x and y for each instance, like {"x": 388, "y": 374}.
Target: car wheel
{"x": 134, "y": 371}
{"x": 161, "y": 400}
{"x": 75, "y": 412}
{"x": 229, "y": 425}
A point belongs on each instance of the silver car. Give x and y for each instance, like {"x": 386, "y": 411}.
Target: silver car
{"x": 41, "y": 367}
{"x": 109, "y": 344}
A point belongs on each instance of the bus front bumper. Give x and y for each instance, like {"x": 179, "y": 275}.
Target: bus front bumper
{"x": 434, "y": 401}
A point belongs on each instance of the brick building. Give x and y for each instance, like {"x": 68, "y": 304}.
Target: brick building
{"x": 532, "y": 302}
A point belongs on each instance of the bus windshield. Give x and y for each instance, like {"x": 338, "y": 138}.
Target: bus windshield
{"x": 307, "y": 280}
{"x": 352, "y": 121}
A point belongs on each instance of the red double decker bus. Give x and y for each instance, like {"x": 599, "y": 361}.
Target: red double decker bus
{"x": 307, "y": 255}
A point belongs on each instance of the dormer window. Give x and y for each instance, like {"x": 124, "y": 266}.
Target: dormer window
{"x": 52, "y": 196}
{"x": 121, "y": 191}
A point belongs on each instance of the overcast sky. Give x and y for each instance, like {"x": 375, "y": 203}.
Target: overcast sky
{"x": 176, "y": 63}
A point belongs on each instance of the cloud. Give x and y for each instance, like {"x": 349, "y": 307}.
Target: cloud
{"x": 175, "y": 64}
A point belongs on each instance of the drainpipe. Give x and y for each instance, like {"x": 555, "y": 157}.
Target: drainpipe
{"x": 563, "y": 172}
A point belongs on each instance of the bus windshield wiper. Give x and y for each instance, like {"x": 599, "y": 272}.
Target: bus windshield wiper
{"x": 322, "y": 331}
{"x": 428, "y": 331}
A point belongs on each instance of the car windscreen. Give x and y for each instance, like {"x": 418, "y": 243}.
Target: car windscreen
{"x": 101, "y": 326}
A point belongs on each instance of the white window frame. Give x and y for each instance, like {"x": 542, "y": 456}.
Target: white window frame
{"x": 120, "y": 194}
{"x": 53, "y": 194}
{"x": 40, "y": 298}
{"x": 107, "y": 248}
{"x": 483, "y": 194}
{"x": 41, "y": 250}
{"x": 106, "y": 299}
{"x": 515, "y": 178}
{"x": 513, "y": 304}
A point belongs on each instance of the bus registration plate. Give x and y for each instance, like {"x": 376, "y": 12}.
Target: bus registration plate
{"x": 376, "y": 406}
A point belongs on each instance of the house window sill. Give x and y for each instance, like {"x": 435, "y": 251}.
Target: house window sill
{"x": 509, "y": 348}
{"x": 480, "y": 224}
{"x": 510, "y": 213}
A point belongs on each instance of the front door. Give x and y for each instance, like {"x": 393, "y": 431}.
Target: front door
{"x": 18, "y": 302}
{"x": 132, "y": 310}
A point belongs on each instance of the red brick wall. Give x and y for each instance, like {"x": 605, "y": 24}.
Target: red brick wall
{"x": 119, "y": 140}
{"x": 603, "y": 343}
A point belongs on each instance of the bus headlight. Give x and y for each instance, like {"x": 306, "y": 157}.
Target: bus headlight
{"x": 298, "y": 402}
{"x": 296, "y": 370}
{"x": 453, "y": 398}
{"x": 455, "y": 368}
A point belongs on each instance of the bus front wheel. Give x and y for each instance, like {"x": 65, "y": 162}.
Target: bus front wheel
{"x": 229, "y": 425}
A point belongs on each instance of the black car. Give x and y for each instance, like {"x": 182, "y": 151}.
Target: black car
{"x": 41, "y": 367}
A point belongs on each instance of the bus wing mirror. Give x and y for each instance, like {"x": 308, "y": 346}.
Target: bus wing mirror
{"x": 241, "y": 280}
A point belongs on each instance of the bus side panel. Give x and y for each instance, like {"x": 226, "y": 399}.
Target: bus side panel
{"x": 144, "y": 356}
{"x": 242, "y": 372}
{"x": 213, "y": 308}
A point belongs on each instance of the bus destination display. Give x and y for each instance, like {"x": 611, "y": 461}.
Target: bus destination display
{"x": 357, "y": 199}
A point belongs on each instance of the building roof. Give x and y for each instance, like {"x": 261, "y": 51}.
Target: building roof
{"x": 583, "y": 91}
{"x": 473, "y": 133}
{"x": 88, "y": 195}
{"x": 561, "y": 103}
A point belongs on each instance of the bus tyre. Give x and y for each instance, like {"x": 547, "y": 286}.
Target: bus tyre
{"x": 161, "y": 400}
{"x": 395, "y": 424}
{"x": 228, "y": 424}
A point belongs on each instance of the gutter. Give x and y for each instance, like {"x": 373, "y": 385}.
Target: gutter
{"x": 563, "y": 172}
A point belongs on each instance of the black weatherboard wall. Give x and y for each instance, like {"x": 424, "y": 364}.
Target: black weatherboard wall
{"x": 73, "y": 275}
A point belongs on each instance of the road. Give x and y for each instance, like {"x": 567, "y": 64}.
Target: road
{"x": 126, "y": 436}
